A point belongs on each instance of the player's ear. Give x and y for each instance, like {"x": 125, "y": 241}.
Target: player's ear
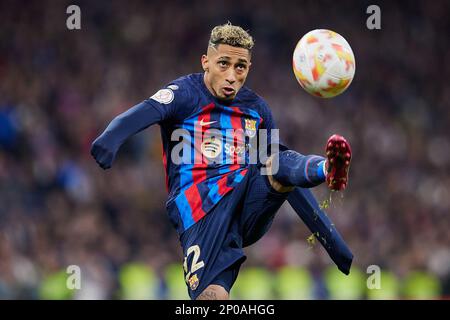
{"x": 205, "y": 63}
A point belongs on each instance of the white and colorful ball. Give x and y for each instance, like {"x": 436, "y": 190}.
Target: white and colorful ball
{"x": 323, "y": 63}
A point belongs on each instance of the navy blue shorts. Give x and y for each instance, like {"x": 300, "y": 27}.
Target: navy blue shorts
{"x": 212, "y": 247}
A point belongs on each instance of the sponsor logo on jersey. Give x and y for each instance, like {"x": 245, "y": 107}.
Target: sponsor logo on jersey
{"x": 230, "y": 149}
{"x": 211, "y": 147}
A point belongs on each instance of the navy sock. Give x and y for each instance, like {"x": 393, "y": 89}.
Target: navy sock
{"x": 295, "y": 169}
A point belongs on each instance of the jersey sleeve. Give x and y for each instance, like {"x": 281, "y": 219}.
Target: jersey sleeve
{"x": 166, "y": 104}
{"x": 171, "y": 102}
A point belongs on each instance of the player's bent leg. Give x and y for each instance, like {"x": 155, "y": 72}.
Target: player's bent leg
{"x": 275, "y": 184}
{"x": 289, "y": 169}
{"x": 214, "y": 292}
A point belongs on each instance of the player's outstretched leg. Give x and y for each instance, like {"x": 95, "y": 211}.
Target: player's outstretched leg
{"x": 295, "y": 169}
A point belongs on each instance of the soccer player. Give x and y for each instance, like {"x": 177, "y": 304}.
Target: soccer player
{"x": 220, "y": 202}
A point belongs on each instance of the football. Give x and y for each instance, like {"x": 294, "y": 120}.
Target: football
{"x": 323, "y": 63}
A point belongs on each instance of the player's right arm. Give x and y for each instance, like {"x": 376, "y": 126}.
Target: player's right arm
{"x": 161, "y": 106}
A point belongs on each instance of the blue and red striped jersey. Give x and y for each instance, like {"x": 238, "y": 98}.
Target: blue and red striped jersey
{"x": 206, "y": 144}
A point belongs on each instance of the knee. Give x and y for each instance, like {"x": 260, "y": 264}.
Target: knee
{"x": 276, "y": 185}
{"x": 214, "y": 292}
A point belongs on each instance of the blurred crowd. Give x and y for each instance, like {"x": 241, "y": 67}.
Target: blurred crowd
{"x": 60, "y": 88}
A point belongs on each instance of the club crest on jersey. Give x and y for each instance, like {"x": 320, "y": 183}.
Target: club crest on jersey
{"x": 250, "y": 127}
{"x": 163, "y": 96}
{"x": 193, "y": 282}
{"x": 211, "y": 147}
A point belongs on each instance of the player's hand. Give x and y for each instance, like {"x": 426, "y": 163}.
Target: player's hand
{"x": 103, "y": 153}
{"x": 339, "y": 155}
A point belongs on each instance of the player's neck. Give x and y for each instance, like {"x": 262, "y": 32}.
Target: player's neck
{"x": 210, "y": 90}
{"x": 208, "y": 86}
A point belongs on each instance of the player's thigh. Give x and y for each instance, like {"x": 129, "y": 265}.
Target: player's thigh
{"x": 220, "y": 287}
{"x": 260, "y": 206}
{"x": 210, "y": 247}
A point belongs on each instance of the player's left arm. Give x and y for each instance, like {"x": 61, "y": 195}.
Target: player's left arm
{"x": 128, "y": 123}
{"x": 163, "y": 105}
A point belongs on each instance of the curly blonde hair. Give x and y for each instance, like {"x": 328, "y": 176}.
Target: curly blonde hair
{"x": 232, "y": 35}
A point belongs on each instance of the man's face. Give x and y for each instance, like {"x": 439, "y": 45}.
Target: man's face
{"x": 226, "y": 69}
